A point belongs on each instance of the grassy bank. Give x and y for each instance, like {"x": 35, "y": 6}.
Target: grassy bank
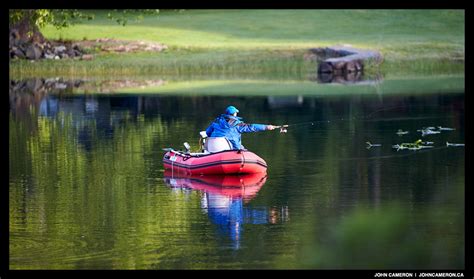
{"x": 262, "y": 64}
{"x": 176, "y": 62}
{"x": 259, "y": 41}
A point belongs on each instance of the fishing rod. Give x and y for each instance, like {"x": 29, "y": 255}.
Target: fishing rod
{"x": 283, "y": 128}
{"x": 368, "y": 117}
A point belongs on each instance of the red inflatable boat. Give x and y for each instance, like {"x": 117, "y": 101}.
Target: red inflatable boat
{"x": 223, "y": 162}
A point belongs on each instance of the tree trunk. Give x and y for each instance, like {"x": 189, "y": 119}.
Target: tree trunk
{"x": 26, "y": 30}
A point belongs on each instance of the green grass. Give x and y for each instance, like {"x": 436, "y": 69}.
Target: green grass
{"x": 258, "y": 41}
{"x": 270, "y": 29}
{"x": 179, "y": 62}
{"x": 281, "y": 65}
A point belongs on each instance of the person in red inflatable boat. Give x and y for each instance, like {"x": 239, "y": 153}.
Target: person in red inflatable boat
{"x": 230, "y": 126}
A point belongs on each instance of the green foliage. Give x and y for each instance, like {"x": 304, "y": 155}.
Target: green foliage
{"x": 62, "y": 18}
{"x": 122, "y": 16}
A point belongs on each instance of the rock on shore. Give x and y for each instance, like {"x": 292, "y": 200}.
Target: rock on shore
{"x": 34, "y": 50}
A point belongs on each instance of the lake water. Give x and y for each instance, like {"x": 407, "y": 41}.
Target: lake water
{"x": 87, "y": 189}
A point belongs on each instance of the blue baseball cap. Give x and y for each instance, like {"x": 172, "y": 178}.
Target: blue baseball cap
{"x": 231, "y": 110}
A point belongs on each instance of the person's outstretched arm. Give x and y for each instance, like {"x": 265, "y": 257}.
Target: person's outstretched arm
{"x": 250, "y": 128}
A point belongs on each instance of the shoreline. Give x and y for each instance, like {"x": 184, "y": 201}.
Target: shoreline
{"x": 290, "y": 61}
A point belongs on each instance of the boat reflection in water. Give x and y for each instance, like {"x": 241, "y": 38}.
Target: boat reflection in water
{"x": 225, "y": 200}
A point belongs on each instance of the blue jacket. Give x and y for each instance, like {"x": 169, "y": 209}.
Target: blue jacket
{"x": 231, "y": 127}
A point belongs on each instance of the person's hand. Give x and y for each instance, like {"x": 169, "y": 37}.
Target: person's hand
{"x": 271, "y": 127}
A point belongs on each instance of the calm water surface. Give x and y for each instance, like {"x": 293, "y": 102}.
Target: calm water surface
{"x": 88, "y": 191}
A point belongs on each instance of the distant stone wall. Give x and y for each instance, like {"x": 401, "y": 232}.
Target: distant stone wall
{"x": 343, "y": 59}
